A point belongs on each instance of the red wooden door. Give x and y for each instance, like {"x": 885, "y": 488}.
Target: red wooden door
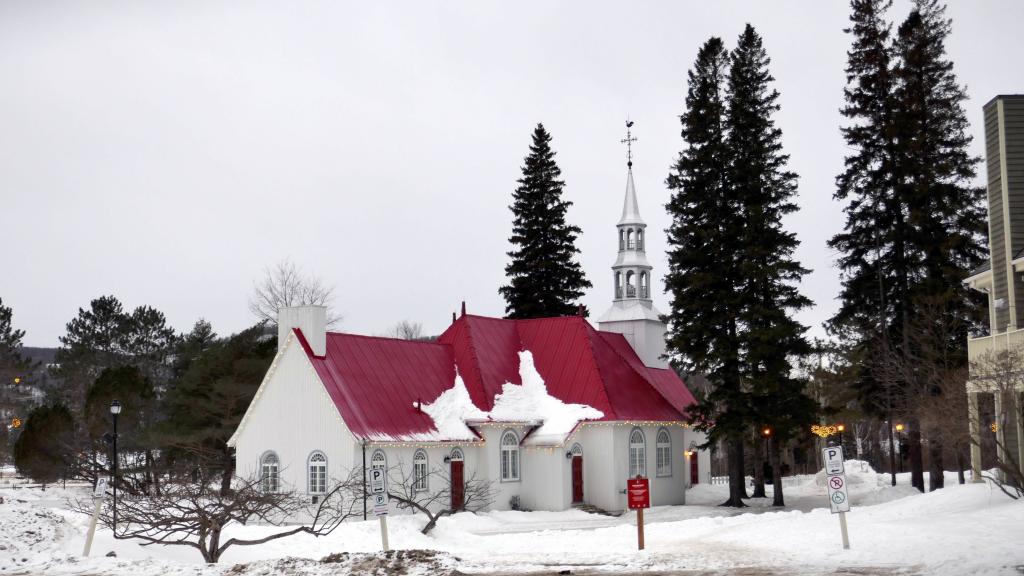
{"x": 458, "y": 486}
{"x": 577, "y": 479}
{"x": 694, "y": 475}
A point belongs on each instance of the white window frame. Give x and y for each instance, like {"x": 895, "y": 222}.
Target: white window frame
{"x": 663, "y": 453}
{"x": 270, "y": 472}
{"x": 509, "y": 461}
{"x": 637, "y": 453}
{"x": 316, "y": 473}
{"x": 420, "y": 472}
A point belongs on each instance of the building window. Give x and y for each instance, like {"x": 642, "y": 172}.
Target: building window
{"x": 643, "y": 285}
{"x": 630, "y": 240}
{"x": 379, "y": 460}
{"x": 269, "y": 467}
{"x": 457, "y": 455}
{"x": 317, "y": 476}
{"x": 509, "y": 456}
{"x": 640, "y": 240}
{"x": 630, "y": 286}
{"x": 663, "y": 453}
{"x": 419, "y": 471}
{"x": 637, "y": 454}
{"x": 622, "y": 243}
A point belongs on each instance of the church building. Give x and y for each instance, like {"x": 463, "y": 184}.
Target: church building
{"x": 555, "y": 412}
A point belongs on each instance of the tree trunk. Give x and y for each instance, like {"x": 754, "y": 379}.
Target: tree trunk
{"x": 737, "y": 491}
{"x": 229, "y": 472}
{"x": 936, "y": 478}
{"x": 916, "y": 460}
{"x": 774, "y": 457}
{"x": 960, "y": 465}
{"x": 758, "y": 471}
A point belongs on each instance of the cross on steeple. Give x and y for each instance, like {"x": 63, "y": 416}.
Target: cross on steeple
{"x": 628, "y": 141}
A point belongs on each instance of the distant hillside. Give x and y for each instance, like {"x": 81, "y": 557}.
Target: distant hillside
{"x": 41, "y": 355}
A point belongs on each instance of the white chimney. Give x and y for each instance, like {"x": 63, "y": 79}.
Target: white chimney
{"x": 310, "y": 320}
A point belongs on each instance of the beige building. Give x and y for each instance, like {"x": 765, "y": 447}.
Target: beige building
{"x": 997, "y": 359}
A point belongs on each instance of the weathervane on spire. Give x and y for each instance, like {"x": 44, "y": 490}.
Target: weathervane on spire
{"x": 628, "y": 141}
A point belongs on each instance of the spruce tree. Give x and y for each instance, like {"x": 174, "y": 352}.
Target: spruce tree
{"x": 702, "y": 279}
{"x": 545, "y": 279}
{"x": 769, "y": 275}
{"x": 946, "y": 211}
{"x": 914, "y": 224}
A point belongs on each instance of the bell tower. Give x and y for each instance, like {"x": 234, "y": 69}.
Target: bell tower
{"x": 632, "y": 313}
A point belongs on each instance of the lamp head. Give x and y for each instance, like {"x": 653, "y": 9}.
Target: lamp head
{"x": 115, "y": 407}
{"x": 841, "y": 427}
{"x": 767, "y": 431}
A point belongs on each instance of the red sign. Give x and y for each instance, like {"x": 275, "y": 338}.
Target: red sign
{"x": 638, "y": 493}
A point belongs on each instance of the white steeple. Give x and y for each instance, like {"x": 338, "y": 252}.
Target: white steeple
{"x": 632, "y": 313}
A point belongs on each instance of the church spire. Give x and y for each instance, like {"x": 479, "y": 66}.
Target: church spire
{"x": 632, "y": 312}
{"x": 632, "y": 272}
{"x": 630, "y": 208}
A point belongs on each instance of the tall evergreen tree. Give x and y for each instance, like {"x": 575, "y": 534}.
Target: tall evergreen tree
{"x": 914, "y": 224}
{"x": 702, "y": 279}
{"x": 763, "y": 187}
{"x": 945, "y": 209}
{"x": 545, "y": 279}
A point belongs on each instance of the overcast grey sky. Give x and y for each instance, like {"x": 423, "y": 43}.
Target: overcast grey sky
{"x": 166, "y": 152}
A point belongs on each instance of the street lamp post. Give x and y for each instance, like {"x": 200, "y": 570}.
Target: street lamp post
{"x": 115, "y": 409}
{"x": 840, "y": 428}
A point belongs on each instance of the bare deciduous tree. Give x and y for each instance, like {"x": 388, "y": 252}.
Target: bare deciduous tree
{"x": 195, "y": 514}
{"x": 435, "y": 500}
{"x": 1000, "y": 373}
{"x": 407, "y": 330}
{"x": 285, "y": 285}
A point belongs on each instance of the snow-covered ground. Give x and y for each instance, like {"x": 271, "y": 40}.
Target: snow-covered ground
{"x": 971, "y": 529}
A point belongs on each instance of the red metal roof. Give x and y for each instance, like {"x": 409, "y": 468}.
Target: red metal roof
{"x": 374, "y": 382}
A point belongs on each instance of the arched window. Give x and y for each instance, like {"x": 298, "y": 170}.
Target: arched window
{"x": 419, "y": 471}
{"x": 643, "y": 285}
{"x": 630, "y": 240}
{"x": 663, "y": 453}
{"x": 379, "y": 460}
{"x": 618, "y": 284}
{"x": 637, "y": 453}
{"x": 622, "y": 242}
{"x": 630, "y": 285}
{"x": 509, "y": 456}
{"x": 457, "y": 454}
{"x": 640, "y": 239}
{"x": 269, "y": 469}
{"x": 317, "y": 477}
{"x": 577, "y": 450}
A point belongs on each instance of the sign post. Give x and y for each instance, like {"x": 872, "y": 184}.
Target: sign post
{"x": 97, "y": 497}
{"x": 379, "y": 489}
{"x": 835, "y": 481}
{"x": 638, "y": 494}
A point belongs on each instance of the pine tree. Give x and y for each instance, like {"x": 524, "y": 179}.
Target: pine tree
{"x": 207, "y": 403}
{"x": 12, "y": 366}
{"x": 764, "y": 189}
{"x": 544, "y": 277}
{"x": 702, "y": 280}
{"x": 44, "y": 449}
{"x": 945, "y": 210}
